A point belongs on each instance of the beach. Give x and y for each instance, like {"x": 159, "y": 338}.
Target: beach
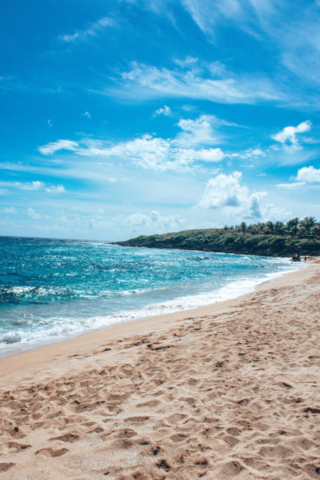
{"x": 229, "y": 390}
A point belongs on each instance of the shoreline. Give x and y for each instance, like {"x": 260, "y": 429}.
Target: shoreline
{"x": 227, "y": 390}
{"x": 59, "y": 348}
{"x": 18, "y": 349}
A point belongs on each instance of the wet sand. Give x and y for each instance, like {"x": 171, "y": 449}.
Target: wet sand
{"x": 230, "y": 390}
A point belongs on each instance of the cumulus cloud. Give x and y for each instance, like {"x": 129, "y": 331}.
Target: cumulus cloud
{"x": 163, "y": 111}
{"x": 226, "y": 191}
{"x": 53, "y": 147}
{"x": 156, "y": 153}
{"x": 55, "y": 189}
{"x": 289, "y": 134}
{"x": 309, "y": 175}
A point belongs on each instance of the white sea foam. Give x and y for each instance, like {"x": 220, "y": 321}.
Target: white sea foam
{"x": 62, "y": 327}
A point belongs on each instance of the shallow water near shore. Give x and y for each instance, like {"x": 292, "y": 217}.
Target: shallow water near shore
{"x": 52, "y": 289}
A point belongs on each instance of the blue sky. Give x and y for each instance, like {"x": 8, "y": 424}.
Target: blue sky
{"x": 128, "y": 117}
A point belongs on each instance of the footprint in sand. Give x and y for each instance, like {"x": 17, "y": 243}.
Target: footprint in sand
{"x": 50, "y": 452}
{"x": 4, "y": 467}
{"x": 68, "y": 437}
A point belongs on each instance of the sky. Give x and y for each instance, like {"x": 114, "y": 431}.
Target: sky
{"x": 121, "y": 118}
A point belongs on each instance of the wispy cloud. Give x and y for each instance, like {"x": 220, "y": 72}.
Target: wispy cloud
{"x": 33, "y": 214}
{"x": 35, "y": 185}
{"x": 291, "y": 186}
{"x": 201, "y": 82}
{"x": 294, "y": 31}
{"x": 89, "y": 32}
{"x": 53, "y": 147}
{"x": 202, "y": 131}
{"x": 10, "y": 210}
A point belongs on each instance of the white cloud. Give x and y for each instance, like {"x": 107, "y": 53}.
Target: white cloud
{"x": 198, "y": 132}
{"x": 55, "y": 189}
{"x": 112, "y": 180}
{"x": 9, "y": 210}
{"x": 33, "y": 214}
{"x": 138, "y": 222}
{"x": 291, "y": 186}
{"x": 288, "y": 134}
{"x": 32, "y": 186}
{"x": 152, "y": 221}
{"x": 90, "y": 32}
{"x": 35, "y": 185}
{"x": 86, "y": 114}
{"x": 164, "y": 111}
{"x": 225, "y": 191}
{"x": 53, "y": 147}
{"x": 309, "y": 175}
{"x": 196, "y": 82}
{"x": 156, "y": 153}
{"x": 208, "y": 155}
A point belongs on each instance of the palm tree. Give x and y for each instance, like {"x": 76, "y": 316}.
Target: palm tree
{"x": 315, "y": 230}
{"x": 278, "y": 228}
{"x": 306, "y": 224}
{"x": 243, "y": 227}
{"x": 269, "y": 228}
{"x": 292, "y": 226}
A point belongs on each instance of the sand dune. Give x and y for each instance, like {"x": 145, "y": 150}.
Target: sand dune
{"x": 226, "y": 391}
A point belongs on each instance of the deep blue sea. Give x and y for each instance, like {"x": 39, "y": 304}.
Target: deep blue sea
{"x": 51, "y": 289}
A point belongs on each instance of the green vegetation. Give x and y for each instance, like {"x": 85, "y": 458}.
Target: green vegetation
{"x": 270, "y": 239}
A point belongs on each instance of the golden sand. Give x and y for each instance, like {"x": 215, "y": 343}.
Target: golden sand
{"x": 230, "y": 390}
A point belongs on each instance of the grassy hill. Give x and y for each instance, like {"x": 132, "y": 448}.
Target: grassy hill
{"x": 261, "y": 239}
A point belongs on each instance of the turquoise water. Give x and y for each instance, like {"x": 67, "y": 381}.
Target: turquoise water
{"x": 51, "y": 289}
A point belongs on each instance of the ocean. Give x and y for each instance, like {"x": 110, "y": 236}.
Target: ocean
{"x": 53, "y": 289}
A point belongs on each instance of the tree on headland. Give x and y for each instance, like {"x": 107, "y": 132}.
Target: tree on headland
{"x": 292, "y": 226}
{"x": 306, "y": 227}
{"x": 315, "y": 230}
{"x": 279, "y": 228}
{"x": 306, "y": 224}
{"x": 243, "y": 227}
{"x": 269, "y": 228}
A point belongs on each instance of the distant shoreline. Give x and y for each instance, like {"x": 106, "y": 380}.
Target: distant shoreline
{"x": 227, "y": 241}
